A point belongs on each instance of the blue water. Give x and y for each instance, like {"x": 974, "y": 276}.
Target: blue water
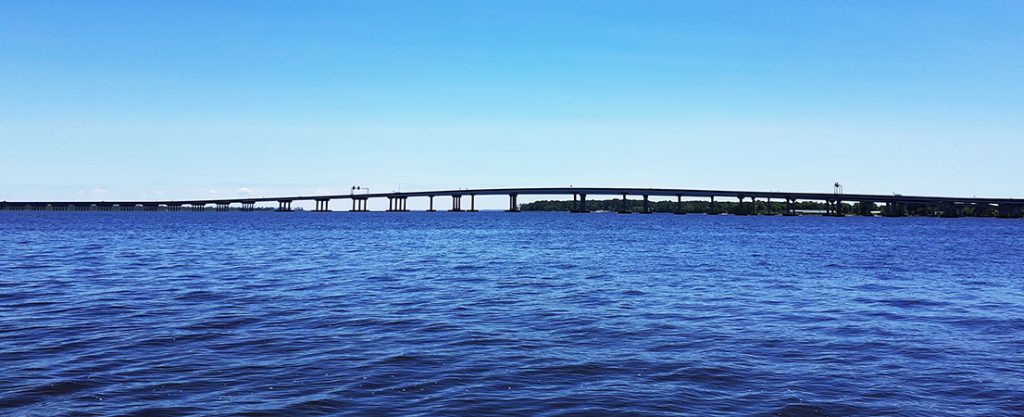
{"x": 503, "y": 314}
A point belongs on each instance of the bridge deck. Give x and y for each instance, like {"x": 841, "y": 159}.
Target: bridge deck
{"x": 590, "y": 191}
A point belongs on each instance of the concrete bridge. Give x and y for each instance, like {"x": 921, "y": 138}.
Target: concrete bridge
{"x": 894, "y": 205}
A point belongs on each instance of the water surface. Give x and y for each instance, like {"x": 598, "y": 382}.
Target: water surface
{"x": 498, "y": 314}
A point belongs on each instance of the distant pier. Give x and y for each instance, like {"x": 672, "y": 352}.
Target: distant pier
{"x": 891, "y": 205}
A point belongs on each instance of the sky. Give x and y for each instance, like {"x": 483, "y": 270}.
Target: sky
{"x": 152, "y": 100}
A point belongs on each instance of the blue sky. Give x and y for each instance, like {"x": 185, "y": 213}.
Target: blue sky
{"x": 183, "y": 99}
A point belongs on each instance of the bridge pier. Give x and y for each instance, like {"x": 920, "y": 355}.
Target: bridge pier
{"x": 865, "y": 208}
{"x": 248, "y": 206}
{"x": 679, "y": 205}
{"x": 150, "y": 207}
{"x": 395, "y": 204}
{"x": 513, "y": 203}
{"x": 625, "y": 208}
{"x": 174, "y": 207}
{"x": 284, "y": 205}
{"x": 790, "y": 207}
{"x": 949, "y": 210}
{"x": 322, "y": 205}
{"x": 472, "y": 203}
{"x": 981, "y": 210}
{"x": 833, "y": 208}
{"x": 126, "y": 207}
{"x": 431, "y": 209}
{"x": 581, "y": 205}
{"x": 741, "y": 210}
{"x": 359, "y": 204}
{"x": 223, "y": 206}
{"x": 1009, "y": 211}
{"x": 711, "y": 206}
{"x": 894, "y": 209}
{"x": 647, "y": 205}
{"x": 456, "y": 203}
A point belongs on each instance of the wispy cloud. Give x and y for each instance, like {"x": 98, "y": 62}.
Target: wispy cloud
{"x": 245, "y": 191}
{"x": 99, "y": 191}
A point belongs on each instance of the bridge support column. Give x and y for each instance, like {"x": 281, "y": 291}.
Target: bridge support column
{"x": 1009, "y": 211}
{"x": 397, "y": 204}
{"x": 625, "y": 208}
{"x": 834, "y": 208}
{"x": 431, "y": 209}
{"x": 865, "y": 208}
{"x": 322, "y": 205}
{"x": 359, "y": 204}
{"x": 579, "y": 205}
{"x": 894, "y": 209}
{"x": 741, "y": 210}
{"x": 472, "y": 203}
{"x": 679, "y": 205}
{"x": 513, "y": 203}
{"x": 647, "y": 205}
{"x": 456, "y": 203}
{"x": 223, "y": 206}
{"x": 790, "y": 210}
{"x": 981, "y": 210}
{"x": 711, "y": 206}
{"x": 284, "y": 205}
{"x": 753, "y": 206}
{"x": 949, "y": 210}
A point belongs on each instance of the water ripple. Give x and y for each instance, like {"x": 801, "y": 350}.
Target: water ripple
{"x": 494, "y": 314}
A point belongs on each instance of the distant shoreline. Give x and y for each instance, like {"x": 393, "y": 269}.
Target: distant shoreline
{"x": 807, "y": 208}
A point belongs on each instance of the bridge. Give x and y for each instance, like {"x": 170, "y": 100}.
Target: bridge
{"x": 895, "y": 205}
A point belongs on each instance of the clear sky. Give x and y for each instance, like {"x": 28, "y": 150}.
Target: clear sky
{"x": 137, "y": 99}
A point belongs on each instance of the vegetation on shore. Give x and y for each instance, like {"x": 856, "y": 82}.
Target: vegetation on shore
{"x": 733, "y": 207}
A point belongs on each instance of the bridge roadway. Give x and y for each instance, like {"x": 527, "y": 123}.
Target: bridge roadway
{"x": 895, "y": 203}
